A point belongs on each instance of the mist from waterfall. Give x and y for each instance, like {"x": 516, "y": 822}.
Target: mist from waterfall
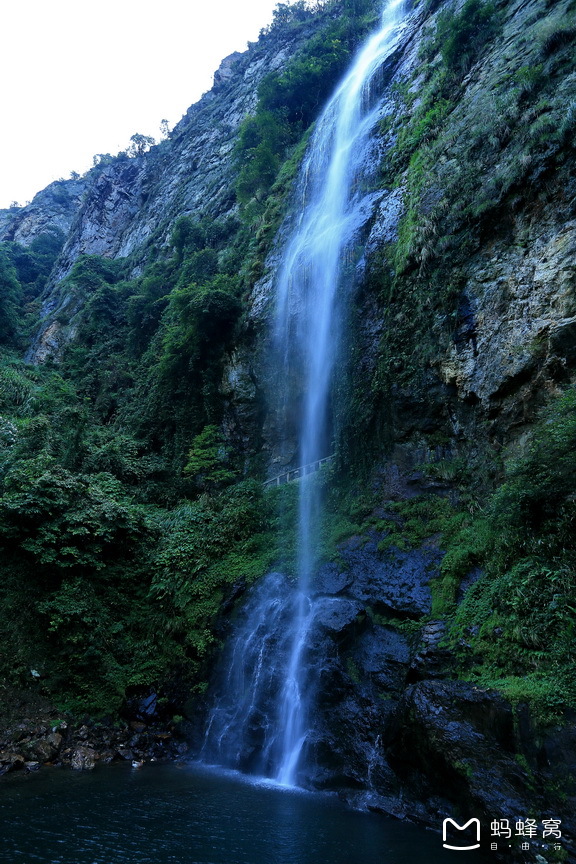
{"x": 259, "y": 720}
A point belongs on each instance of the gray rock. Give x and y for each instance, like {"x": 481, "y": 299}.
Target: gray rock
{"x": 397, "y": 581}
{"x": 43, "y": 749}
{"x": 53, "y": 208}
{"x": 83, "y": 759}
{"x": 331, "y": 579}
{"x": 335, "y": 613}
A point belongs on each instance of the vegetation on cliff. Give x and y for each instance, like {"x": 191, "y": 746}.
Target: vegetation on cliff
{"x": 125, "y": 521}
{"x": 129, "y": 515}
{"x": 482, "y": 145}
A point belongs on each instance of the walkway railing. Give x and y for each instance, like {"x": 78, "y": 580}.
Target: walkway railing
{"x": 297, "y": 473}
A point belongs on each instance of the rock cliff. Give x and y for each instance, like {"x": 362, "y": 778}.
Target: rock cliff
{"x": 507, "y": 339}
{"x": 54, "y": 208}
{"x": 462, "y": 325}
{"x": 126, "y": 207}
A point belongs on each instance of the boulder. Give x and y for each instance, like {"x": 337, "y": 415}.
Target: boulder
{"x": 83, "y": 759}
{"x": 44, "y": 749}
{"x": 10, "y": 761}
{"x": 336, "y": 613}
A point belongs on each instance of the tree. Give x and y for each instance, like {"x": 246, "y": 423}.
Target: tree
{"x": 10, "y": 298}
{"x": 101, "y": 159}
{"x": 140, "y": 144}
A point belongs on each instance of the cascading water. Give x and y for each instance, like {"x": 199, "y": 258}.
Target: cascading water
{"x": 259, "y": 721}
{"x": 307, "y": 291}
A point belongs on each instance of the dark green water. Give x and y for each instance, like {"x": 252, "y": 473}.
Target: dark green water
{"x": 162, "y": 814}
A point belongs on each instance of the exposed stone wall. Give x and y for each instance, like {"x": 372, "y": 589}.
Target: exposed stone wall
{"x": 55, "y": 207}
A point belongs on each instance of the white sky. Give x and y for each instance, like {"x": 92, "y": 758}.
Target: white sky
{"x": 79, "y": 78}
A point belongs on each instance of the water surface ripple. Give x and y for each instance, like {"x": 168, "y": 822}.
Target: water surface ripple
{"x": 162, "y": 814}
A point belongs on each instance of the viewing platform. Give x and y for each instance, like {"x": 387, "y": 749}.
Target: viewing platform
{"x": 297, "y": 473}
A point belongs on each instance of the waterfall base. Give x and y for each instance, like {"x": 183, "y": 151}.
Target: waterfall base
{"x": 348, "y": 665}
{"x": 251, "y": 693}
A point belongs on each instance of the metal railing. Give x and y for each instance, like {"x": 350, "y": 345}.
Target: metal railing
{"x": 297, "y": 473}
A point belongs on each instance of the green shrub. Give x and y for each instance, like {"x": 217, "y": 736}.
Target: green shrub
{"x": 461, "y": 36}
{"x": 520, "y": 616}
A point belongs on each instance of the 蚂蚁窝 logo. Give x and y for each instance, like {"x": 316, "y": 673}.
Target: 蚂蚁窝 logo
{"x": 461, "y": 828}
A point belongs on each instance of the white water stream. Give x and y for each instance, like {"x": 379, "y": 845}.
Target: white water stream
{"x": 308, "y": 291}
{"x": 259, "y": 721}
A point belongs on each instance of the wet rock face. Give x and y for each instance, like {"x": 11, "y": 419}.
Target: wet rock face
{"x": 336, "y": 614}
{"x": 482, "y": 754}
{"x": 431, "y": 749}
{"x": 395, "y": 581}
{"x": 452, "y": 730}
{"x": 383, "y": 654}
{"x": 354, "y": 666}
{"x": 332, "y": 579}
{"x": 364, "y": 662}
{"x": 391, "y": 728}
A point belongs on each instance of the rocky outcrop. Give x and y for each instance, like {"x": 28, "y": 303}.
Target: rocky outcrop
{"x": 52, "y": 209}
{"x": 49, "y": 737}
{"x": 365, "y": 658}
{"x": 521, "y": 322}
{"x": 395, "y": 731}
{"x": 129, "y": 203}
{"x": 226, "y": 69}
{"x": 396, "y": 582}
{"x": 487, "y": 756}
{"x": 453, "y": 730}
{"x": 392, "y": 728}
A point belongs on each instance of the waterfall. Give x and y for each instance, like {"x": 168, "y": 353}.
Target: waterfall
{"x": 308, "y": 291}
{"x": 259, "y": 722}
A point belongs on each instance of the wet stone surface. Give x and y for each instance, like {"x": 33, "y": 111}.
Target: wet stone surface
{"x": 396, "y": 581}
